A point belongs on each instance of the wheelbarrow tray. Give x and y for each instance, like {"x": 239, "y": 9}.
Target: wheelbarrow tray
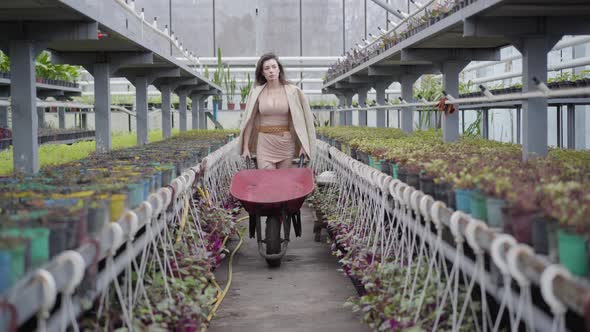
{"x": 268, "y": 192}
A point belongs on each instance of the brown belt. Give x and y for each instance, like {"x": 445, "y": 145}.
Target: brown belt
{"x": 273, "y": 129}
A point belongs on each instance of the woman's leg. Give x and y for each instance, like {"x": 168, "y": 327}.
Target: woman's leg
{"x": 287, "y": 163}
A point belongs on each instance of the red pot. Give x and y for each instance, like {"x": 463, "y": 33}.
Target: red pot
{"x": 519, "y": 224}
{"x": 231, "y": 106}
{"x": 242, "y": 106}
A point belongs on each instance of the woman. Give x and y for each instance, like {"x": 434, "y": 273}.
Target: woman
{"x": 277, "y": 123}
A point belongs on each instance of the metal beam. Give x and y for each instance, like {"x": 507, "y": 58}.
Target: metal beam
{"x": 446, "y": 54}
{"x": 115, "y": 59}
{"x": 151, "y": 74}
{"x": 49, "y": 31}
{"x": 483, "y": 26}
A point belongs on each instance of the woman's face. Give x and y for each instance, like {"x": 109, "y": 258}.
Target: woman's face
{"x": 270, "y": 70}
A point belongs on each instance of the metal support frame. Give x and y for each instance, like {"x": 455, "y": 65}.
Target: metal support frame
{"x": 380, "y": 91}
{"x": 362, "y": 99}
{"x": 407, "y": 114}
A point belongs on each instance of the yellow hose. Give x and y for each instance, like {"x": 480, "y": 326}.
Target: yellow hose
{"x": 221, "y": 296}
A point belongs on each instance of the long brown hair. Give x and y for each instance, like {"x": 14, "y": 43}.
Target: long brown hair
{"x": 260, "y": 79}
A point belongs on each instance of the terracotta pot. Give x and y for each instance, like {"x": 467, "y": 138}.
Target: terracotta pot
{"x": 231, "y": 106}
{"x": 519, "y": 224}
{"x": 242, "y": 106}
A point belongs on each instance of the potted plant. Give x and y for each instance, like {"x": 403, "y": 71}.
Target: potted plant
{"x": 244, "y": 92}
{"x": 218, "y": 76}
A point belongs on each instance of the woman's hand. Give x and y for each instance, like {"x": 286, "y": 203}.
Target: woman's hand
{"x": 302, "y": 153}
{"x": 246, "y": 153}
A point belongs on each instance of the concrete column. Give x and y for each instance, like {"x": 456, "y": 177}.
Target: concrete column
{"x": 571, "y": 126}
{"x": 201, "y": 111}
{"x": 3, "y": 116}
{"x": 450, "y": 122}
{"x": 341, "y": 116}
{"x": 195, "y": 111}
{"x": 141, "y": 87}
{"x": 24, "y": 118}
{"x": 102, "y": 106}
{"x": 380, "y": 89}
{"x": 332, "y": 118}
{"x": 61, "y": 116}
{"x": 407, "y": 114}
{"x": 485, "y": 123}
{"x": 182, "y": 111}
{"x": 166, "y": 112}
{"x": 518, "y": 125}
{"x": 534, "y": 110}
{"x": 41, "y": 117}
{"x": 362, "y": 94}
{"x": 348, "y": 114}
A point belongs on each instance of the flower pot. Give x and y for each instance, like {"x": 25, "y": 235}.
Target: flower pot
{"x": 374, "y": 162}
{"x": 494, "y": 212}
{"x": 242, "y": 106}
{"x": 38, "y": 240}
{"x": 402, "y": 174}
{"x": 427, "y": 185}
{"x": 463, "y": 199}
{"x": 353, "y": 153}
{"x": 118, "y": 204}
{"x": 386, "y": 167}
{"x": 440, "y": 191}
{"x": 478, "y": 205}
{"x": 519, "y": 224}
{"x": 394, "y": 170}
{"x": 231, "y": 106}
{"x": 543, "y": 231}
{"x": 573, "y": 252}
{"x": 16, "y": 248}
{"x": 5, "y": 270}
{"x": 413, "y": 179}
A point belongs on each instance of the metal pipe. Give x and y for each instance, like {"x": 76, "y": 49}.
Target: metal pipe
{"x": 389, "y": 8}
{"x": 574, "y": 41}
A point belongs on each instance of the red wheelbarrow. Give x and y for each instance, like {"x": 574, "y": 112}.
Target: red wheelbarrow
{"x": 278, "y": 195}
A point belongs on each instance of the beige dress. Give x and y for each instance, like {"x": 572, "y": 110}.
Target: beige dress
{"x": 274, "y": 150}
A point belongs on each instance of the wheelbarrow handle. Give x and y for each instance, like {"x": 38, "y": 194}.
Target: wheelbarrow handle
{"x": 301, "y": 160}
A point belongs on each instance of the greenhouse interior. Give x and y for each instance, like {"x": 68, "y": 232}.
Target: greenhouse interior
{"x": 295, "y": 165}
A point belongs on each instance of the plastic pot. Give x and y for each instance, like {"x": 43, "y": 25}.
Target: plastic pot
{"x": 427, "y": 184}
{"x": 573, "y": 252}
{"x": 494, "y": 211}
{"x": 478, "y": 205}
{"x": 38, "y": 239}
{"x": 402, "y": 174}
{"x": 540, "y": 235}
{"x": 519, "y": 223}
{"x": 5, "y": 269}
{"x": 16, "y": 248}
{"x": 413, "y": 179}
{"x": 395, "y": 170}
{"x": 463, "y": 199}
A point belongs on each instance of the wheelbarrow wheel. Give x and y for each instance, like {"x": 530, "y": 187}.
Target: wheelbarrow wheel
{"x": 273, "y": 240}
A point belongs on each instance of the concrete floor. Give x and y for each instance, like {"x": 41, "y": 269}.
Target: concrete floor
{"x": 306, "y": 293}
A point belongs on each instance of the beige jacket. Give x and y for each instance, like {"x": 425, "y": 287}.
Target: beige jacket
{"x": 301, "y": 123}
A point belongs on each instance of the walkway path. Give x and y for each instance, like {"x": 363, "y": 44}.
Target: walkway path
{"x": 306, "y": 293}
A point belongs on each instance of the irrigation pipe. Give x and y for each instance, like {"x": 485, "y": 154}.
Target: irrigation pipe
{"x": 229, "y": 280}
